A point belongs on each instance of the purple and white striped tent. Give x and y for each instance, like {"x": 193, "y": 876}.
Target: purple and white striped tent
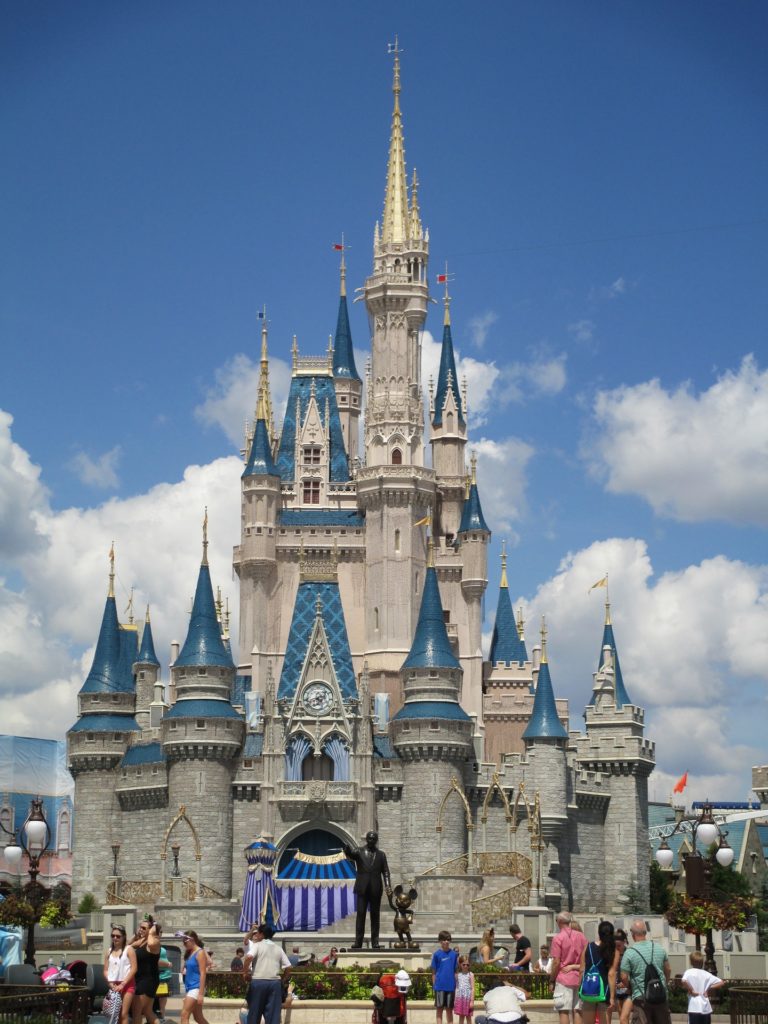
{"x": 315, "y": 891}
{"x": 260, "y": 899}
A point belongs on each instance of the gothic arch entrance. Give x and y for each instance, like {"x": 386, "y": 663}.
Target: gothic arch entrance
{"x": 318, "y": 839}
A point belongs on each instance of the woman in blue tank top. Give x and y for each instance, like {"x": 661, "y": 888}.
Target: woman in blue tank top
{"x": 195, "y": 969}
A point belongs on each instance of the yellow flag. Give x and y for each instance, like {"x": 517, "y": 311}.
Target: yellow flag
{"x": 600, "y": 583}
{"x": 424, "y": 522}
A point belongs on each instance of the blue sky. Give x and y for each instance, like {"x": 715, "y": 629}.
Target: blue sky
{"x": 595, "y": 176}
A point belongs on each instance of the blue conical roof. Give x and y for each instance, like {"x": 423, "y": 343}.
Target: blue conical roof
{"x": 506, "y": 645}
{"x": 430, "y": 647}
{"x": 621, "y": 696}
{"x": 110, "y": 671}
{"x": 260, "y": 461}
{"x": 447, "y": 370}
{"x": 146, "y": 655}
{"x": 544, "y": 722}
{"x": 204, "y": 645}
{"x": 343, "y": 351}
{"x": 472, "y": 517}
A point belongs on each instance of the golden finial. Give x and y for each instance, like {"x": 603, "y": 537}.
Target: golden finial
{"x": 264, "y": 402}
{"x": 520, "y": 623}
{"x": 395, "y": 224}
{"x": 446, "y": 298}
{"x": 607, "y": 611}
{"x": 430, "y": 551}
{"x": 129, "y": 608}
{"x": 112, "y": 570}
{"x": 318, "y": 606}
{"x": 219, "y": 604}
{"x": 226, "y": 617}
{"x": 473, "y": 463}
{"x": 504, "y": 565}
{"x": 467, "y": 485}
{"x": 415, "y": 213}
{"x": 146, "y": 617}
{"x": 205, "y": 537}
{"x": 543, "y": 639}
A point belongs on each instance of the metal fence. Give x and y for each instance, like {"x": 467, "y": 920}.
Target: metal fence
{"x": 22, "y": 1004}
{"x": 749, "y": 1005}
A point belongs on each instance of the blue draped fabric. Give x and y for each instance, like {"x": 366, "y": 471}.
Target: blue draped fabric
{"x": 295, "y": 753}
{"x": 260, "y": 899}
{"x": 338, "y": 753}
{"x": 307, "y": 908}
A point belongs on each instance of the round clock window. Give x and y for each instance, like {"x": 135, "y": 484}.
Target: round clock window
{"x": 318, "y": 698}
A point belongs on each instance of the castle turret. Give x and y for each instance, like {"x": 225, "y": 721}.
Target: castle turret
{"x": 346, "y": 379}
{"x": 254, "y": 558}
{"x": 394, "y": 489}
{"x": 449, "y": 434}
{"x": 545, "y": 738}
{"x": 433, "y": 735}
{"x": 473, "y": 537}
{"x": 615, "y": 745}
{"x": 202, "y": 733}
{"x": 147, "y": 670}
{"x": 98, "y": 740}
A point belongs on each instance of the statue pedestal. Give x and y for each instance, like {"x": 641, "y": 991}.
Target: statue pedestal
{"x": 410, "y": 959}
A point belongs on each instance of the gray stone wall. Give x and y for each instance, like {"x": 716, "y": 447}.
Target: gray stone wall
{"x": 142, "y": 834}
{"x": 204, "y": 788}
{"x": 627, "y": 853}
{"x": 426, "y": 783}
{"x": 587, "y": 859}
{"x": 96, "y": 827}
{"x": 246, "y": 827}
{"x": 389, "y": 816}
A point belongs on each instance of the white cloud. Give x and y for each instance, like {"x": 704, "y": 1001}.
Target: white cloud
{"x": 618, "y": 287}
{"x": 582, "y": 330}
{"x": 100, "y": 472}
{"x": 687, "y": 642}
{"x": 22, "y": 496}
{"x": 691, "y": 456}
{"x": 501, "y": 479}
{"x": 480, "y": 325}
{"x": 542, "y": 375}
{"x": 232, "y": 399}
{"x": 481, "y": 376}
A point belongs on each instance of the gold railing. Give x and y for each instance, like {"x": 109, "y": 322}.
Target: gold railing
{"x": 137, "y": 891}
{"x": 515, "y": 865}
{"x": 501, "y": 904}
{"x": 457, "y": 866}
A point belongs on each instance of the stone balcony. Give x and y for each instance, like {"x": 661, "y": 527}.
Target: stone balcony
{"x": 317, "y": 798}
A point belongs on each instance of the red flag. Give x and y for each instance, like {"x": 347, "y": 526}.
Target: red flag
{"x": 442, "y": 278}
{"x": 681, "y": 783}
{"x": 337, "y": 247}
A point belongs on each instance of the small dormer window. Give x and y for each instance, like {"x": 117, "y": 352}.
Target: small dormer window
{"x": 200, "y": 723}
{"x": 311, "y": 455}
{"x": 311, "y": 492}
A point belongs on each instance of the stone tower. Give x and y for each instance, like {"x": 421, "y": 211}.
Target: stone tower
{"x": 448, "y": 435}
{"x": 146, "y": 670}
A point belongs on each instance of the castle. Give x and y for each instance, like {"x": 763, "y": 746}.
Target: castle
{"x": 361, "y": 699}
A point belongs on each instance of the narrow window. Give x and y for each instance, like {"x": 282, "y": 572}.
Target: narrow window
{"x": 397, "y": 457}
{"x": 397, "y": 542}
{"x": 376, "y": 618}
{"x": 449, "y": 423}
{"x": 311, "y": 491}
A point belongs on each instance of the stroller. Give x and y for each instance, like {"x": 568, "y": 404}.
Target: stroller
{"x": 390, "y": 999}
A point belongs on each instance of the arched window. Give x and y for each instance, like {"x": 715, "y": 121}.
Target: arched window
{"x": 376, "y": 619}
{"x": 313, "y": 767}
{"x": 449, "y": 422}
{"x": 397, "y": 457}
{"x": 397, "y": 542}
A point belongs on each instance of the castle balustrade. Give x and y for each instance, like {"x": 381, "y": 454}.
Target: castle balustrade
{"x": 501, "y": 904}
{"x": 299, "y": 799}
{"x": 150, "y": 891}
{"x": 505, "y": 864}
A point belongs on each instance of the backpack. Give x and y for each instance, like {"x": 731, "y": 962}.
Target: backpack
{"x": 592, "y": 988}
{"x": 653, "y": 987}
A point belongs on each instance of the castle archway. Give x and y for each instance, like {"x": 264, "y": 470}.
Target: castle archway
{"x": 315, "y": 838}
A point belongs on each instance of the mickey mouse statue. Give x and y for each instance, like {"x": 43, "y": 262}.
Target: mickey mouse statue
{"x": 401, "y": 901}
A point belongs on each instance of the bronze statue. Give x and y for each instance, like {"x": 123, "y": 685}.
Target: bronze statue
{"x": 372, "y": 867}
{"x": 401, "y": 901}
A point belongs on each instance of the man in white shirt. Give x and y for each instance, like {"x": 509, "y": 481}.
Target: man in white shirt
{"x": 502, "y": 1004}
{"x": 267, "y": 962}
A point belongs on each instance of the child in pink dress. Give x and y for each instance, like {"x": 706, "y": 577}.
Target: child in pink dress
{"x": 465, "y": 992}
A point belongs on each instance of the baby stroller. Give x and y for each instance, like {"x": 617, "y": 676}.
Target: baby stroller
{"x": 390, "y": 999}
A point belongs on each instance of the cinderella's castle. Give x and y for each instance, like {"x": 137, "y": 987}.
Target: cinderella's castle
{"x": 361, "y": 699}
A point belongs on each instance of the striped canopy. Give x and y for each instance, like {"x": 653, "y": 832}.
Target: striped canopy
{"x": 304, "y": 867}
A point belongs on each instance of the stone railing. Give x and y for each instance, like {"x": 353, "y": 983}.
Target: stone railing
{"x": 316, "y": 789}
{"x": 498, "y": 905}
{"x": 417, "y": 472}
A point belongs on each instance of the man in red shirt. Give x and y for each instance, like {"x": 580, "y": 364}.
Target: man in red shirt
{"x": 565, "y": 972}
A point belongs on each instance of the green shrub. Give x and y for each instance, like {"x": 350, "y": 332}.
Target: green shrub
{"x": 54, "y": 915}
{"x": 87, "y": 904}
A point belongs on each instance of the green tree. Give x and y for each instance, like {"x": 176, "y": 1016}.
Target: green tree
{"x": 631, "y": 900}
{"x": 661, "y": 889}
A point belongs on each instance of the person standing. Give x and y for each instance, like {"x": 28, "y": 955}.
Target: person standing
{"x": 372, "y": 869}
{"x": 445, "y": 962}
{"x": 564, "y": 972}
{"x": 120, "y": 969}
{"x": 699, "y": 983}
{"x": 267, "y": 963}
{"x": 634, "y": 963}
{"x": 523, "y": 950}
{"x": 195, "y": 971}
{"x": 604, "y": 956}
{"x": 165, "y": 973}
{"x": 147, "y": 948}
{"x": 464, "y": 1004}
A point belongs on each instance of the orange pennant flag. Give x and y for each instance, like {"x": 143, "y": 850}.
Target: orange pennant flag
{"x": 681, "y": 783}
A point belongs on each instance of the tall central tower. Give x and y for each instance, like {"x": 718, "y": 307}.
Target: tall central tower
{"x": 395, "y": 489}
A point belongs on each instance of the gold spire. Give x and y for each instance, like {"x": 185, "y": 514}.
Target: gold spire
{"x": 415, "y": 213}
{"x": 473, "y": 463}
{"x": 430, "y": 552}
{"x": 219, "y": 604}
{"x": 205, "y": 537}
{"x": 146, "y": 617}
{"x": 520, "y": 623}
{"x": 607, "y": 611}
{"x": 447, "y": 300}
{"x": 395, "y": 222}
{"x": 504, "y": 565}
{"x": 264, "y": 401}
{"x": 112, "y": 570}
{"x": 343, "y": 268}
{"x": 543, "y": 639}
{"x": 129, "y": 608}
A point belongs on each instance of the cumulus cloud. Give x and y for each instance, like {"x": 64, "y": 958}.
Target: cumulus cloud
{"x": 501, "y": 478}
{"x": 480, "y": 375}
{"x": 542, "y": 375}
{"x": 480, "y": 325}
{"x": 691, "y": 456}
{"x": 686, "y": 641}
{"x": 100, "y": 472}
{"x": 22, "y": 496}
{"x": 232, "y": 398}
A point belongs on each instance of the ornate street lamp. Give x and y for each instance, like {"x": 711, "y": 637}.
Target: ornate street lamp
{"x": 34, "y": 839}
{"x": 175, "y": 849}
{"x": 698, "y": 869}
{"x": 115, "y": 855}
